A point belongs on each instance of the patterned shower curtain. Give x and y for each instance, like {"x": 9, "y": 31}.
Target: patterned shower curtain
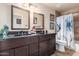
{"x": 65, "y": 30}
{"x": 68, "y": 24}
{"x": 59, "y": 28}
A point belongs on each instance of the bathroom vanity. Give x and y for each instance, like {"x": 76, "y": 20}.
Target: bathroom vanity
{"x": 28, "y": 45}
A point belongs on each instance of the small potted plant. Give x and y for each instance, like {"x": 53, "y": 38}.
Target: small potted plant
{"x": 4, "y": 31}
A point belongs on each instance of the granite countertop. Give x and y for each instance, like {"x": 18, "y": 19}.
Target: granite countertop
{"x": 12, "y": 36}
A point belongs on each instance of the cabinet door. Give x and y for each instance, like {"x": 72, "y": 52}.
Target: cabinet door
{"x": 21, "y": 51}
{"x": 9, "y": 52}
{"x": 43, "y": 47}
{"x": 33, "y": 49}
{"x": 51, "y": 46}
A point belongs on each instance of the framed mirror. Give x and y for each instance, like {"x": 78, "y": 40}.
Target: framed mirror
{"x": 20, "y": 18}
{"x": 38, "y": 21}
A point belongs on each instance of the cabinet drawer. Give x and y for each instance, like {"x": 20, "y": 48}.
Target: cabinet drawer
{"x": 31, "y": 39}
{"x": 52, "y": 36}
{"x": 45, "y": 37}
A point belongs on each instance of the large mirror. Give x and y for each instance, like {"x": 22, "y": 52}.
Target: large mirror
{"x": 20, "y": 18}
{"x": 38, "y": 21}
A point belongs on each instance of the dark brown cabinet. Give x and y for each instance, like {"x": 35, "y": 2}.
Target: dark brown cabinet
{"x": 33, "y": 49}
{"x": 47, "y": 45}
{"x": 9, "y": 52}
{"x": 33, "y": 46}
{"x": 21, "y": 51}
{"x": 43, "y": 47}
{"x": 51, "y": 46}
{"x": 38, "y": 45}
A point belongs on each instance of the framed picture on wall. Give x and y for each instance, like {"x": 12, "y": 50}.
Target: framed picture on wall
{"x": 51, "y": 17}
{"x": 20, "y": 18}
{"x": 51, "y": 26}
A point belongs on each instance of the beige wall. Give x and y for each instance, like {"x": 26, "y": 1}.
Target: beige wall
{"x": 5, "y": 15}
{"x": 71, "y": 11}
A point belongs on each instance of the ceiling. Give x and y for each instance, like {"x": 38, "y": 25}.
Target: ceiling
{"x": 61, "y": 7}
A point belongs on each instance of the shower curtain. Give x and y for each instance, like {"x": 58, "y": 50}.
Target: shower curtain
{"x": 65, "y": 30}
{"x": 59, "y": 28}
